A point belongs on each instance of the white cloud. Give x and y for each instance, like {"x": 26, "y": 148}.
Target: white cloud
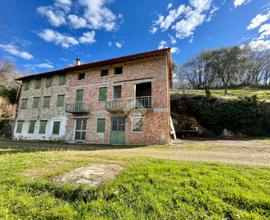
{"x": 88, "y": 38}
{"x": 77, "y": 22}
{"x": 264, "y": 31}
{"x": 98, "y": 15}
{"x": 172, "y": 39}
{"x": 175, "y": 50}
{"x": 163, "y": 44}
{"x": 258, "y": 20}
{"x": 55, "y": 17}
{"x": 64, "y": 4}
{"x": 58, "y": 38}
{"x": 118, "y": 45}
{"x": 259, "y": 45}
{"x": 40, "y": 66}
{"x": 13, "y": 50}
{"x": 169, "y": 6}
{"x": 110, "y": 44}
{"x": 240, "y": 2}
{"x": 186, "y": 18}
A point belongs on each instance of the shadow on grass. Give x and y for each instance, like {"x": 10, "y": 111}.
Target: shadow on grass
{"x": 9, "y": 147}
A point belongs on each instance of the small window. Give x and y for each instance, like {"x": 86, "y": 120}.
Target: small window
{"x": 62, "y": 79}
{"x": 37, "y": 83}
{"x": 19, "y": 126}
{"x": 36, "y": 102}
{"x": 42, "y": 127}
{"x": 81, "y": 76}
{"x": 60, "y": 100}
{"x": 48, "y": 82}
{"x": 117, "y": 92}
{"x": 118, "y": 70}
{"x": 137, "y": 125}
{"x": 56, "y": 127}
{"x": 103, "y": 94}
{"x": 104, "y": 73}
{"x": 24, "y": 103}
{"x": 101, "y": 125}
{"x": 26, "y": 85}
{"x": 46, "y": 102}
{"x": 31, "y": 129}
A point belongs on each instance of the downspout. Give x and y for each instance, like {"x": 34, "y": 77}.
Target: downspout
{"x": 17, "y": 107}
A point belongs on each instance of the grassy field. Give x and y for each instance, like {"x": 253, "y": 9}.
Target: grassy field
{"x": 262, "y": 94}
{"x": 148, "y": 188}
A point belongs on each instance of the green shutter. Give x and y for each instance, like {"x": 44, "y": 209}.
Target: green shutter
{"x": 24, "y": 103}
{"x": 79, "y": 95}
{"x": 102, "y": 94}
{"x": 35, "y": 102}
{"x": 62, "y": 79}
{"x": 19, "y": 126}
{"x": 31, "y": 127}
{"x": 46, "y": 102}
{"x": 37, "y": 83}
{"x": 56, "y": 127}
{"x": 60, "y": 100}
{"x": 101, "y": 125}
{"x": 48, "y": 82}
{"x": 42, "y": 127}
{"x": 26, "y": 85}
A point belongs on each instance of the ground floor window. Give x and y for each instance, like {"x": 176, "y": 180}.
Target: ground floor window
{"x": 101, "y": 125}
{"x": 137, "y": 124}
{"x": 80, "y": 129}
{"x": 42, "y": 127}
{"x": 118, "y": 124}
{"x": 19, "y": 126}
{"x": 31, "y": 129}
{"x": 56, "y": 127}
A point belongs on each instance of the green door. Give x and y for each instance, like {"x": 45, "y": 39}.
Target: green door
{"x": 118, "y": 130}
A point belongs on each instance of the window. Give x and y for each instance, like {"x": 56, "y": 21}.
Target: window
{"x": 137, "y": 125}
{"x": 24, "y": 103}
{"x": 31, "y": 128}
{"x": 37, "y": 83}
{"x": 62, "y": 79}
{"x": 118, "y": 124}
{"x": 104, "y": 73}
{"x": 19, "y": 126}
{"x": 60, "y": 101}
{"x": 118, "y": 70}
{"x": 101, "y": 125}
{"x": 42, "y": 127}
{"x": 81, "y": 76}
{"x": 102, "y": 94}
{"x": 35, "y": 102}
{"x": 117, "y": 90}
{"x": 48, "y": 82}
{"x": 56, "y": 127}
{"x": 79, "y": 95}
{"x": 26, "y": 85}
{"x": 80, "y": 129}
{"x": 46, "y": 102}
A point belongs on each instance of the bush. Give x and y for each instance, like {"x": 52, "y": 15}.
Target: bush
{"x": 242, "y": 116}
{"x": 9, "y": 93}
{"x": 5, "y": 128}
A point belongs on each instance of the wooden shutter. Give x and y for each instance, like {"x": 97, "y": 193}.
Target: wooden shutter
{"x": 62, "y": 79}
{"x": 56, "y": 127}
{"x": 101, "y": 125}
{"x": 60, "y": 100}
{"x": 79, "y": 95}
{"x": 42, "y": 127}
{"x": 48, "y": 82}
{"x": 102, "y": 94}
{"x": 37, "y": 83}
{"x": 35, "y": 102}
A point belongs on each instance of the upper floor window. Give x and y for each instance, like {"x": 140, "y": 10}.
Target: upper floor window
{"x": 62, "y": 79}
{"x": 24, "y": 103}
{"x": 46, "y": 102}
{"x": 118, "y": 70}
{"x": 102, "y": 94}
{"x": 81, "y": 76}
{"x": 104, "y": 72}
{"x": 117, "y": 92}
{"x": 26, "y": 85}
{"x": 48, "y": 82}
{"x": 60, "y": 101}
{"x": 35, "y": 102}
{"x": 37, "y": 83}
{"x": 79, "y": 95}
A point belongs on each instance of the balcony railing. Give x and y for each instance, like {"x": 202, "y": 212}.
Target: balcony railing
{"x": 144, "y": 102}
{"x": 125, "y": 105}
{"x": 78, "y": 107}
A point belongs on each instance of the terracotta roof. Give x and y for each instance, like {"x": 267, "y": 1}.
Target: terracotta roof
{"x": 132, "y": 57}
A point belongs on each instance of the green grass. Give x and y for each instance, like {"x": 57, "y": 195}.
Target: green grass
{"x": 262, "y": 94}
{"x": 146, "y": 189}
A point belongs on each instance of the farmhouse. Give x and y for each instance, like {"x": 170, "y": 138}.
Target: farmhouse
{"x": 124, "y": 100}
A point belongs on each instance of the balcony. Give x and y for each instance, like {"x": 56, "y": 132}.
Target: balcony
{"x": 125, "y": 105}
{"x": 78, "y": 107}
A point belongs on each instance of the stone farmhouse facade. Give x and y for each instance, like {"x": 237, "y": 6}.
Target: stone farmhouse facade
{"x": 125, "y": 100}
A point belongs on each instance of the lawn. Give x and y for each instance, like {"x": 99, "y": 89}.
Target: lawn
{"x": 262, "y": 94}
{"x": 148, "y": 188}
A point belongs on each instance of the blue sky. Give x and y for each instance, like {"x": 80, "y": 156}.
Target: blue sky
{"x": 43, "y": 35}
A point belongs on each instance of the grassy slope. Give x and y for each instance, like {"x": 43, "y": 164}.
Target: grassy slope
{"x": 263, "y": 95}
{"x": 146, "y": 189}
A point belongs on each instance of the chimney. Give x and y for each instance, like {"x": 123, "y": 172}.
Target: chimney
{"x": 77, "y": 62}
